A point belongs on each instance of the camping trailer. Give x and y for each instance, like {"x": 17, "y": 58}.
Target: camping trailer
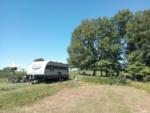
{"x": 45, "y": 70}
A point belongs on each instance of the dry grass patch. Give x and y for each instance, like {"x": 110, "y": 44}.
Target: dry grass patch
{"x": 92, "y": 99}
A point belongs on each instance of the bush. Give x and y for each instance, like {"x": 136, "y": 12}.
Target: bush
{"x": 4, "y": 74}
{"x": 16, "y": 77}
{"x": 146, "y": 78}
{"x": 20, "y": 74}
{"x": 122, "y": 79}
{"x": 13, "y": 77}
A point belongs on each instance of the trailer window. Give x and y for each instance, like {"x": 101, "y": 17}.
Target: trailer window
{"x": 52, "y": 68}
{"x": 60, "y": 68}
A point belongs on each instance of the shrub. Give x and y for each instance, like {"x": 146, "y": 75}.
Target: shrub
{"x": 122, "y": 79}
{"x": 146, "y": 78}
{"x": 20, "y": 74}
{"x": 4, "y": 74}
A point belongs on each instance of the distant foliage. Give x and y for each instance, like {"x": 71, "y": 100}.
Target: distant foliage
{"x": 3, "y": 74}
{"x": 12, "y": 75}
{"x": 39, "y": 59}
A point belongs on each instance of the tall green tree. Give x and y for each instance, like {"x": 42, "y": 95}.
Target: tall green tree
{"x": 104, "y": 43}
{"x": 92, "y": 43}
{"x": 82, "y": 51}
{"x": 138, "y": 39}
{"x": 121, "y": 19}
{"x": 77, "y": 51}
{"x": 109, "y": 45}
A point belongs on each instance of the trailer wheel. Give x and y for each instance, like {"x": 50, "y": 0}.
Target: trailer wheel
{"x": 60, "y": 78}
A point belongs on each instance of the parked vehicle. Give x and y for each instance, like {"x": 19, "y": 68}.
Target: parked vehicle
{"x": 46, "y": 70}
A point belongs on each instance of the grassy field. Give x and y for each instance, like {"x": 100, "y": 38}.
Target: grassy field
{"x": 24, "y": 93}
{"x": 85, "y": 95}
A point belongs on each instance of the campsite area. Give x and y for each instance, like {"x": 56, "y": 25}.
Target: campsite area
{"x": 74, "y": 96}
{"x": 75, "y": 56}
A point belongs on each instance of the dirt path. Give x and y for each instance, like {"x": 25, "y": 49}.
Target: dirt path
{"x": 93, "y": 99}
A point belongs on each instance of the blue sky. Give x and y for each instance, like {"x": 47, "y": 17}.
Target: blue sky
{"x": 31, "y": 29}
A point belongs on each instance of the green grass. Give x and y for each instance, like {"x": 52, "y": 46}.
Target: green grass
{"x": 12, "y": 95}
{"x": 20, "y": 94}
{"x": 112, "y": 81}
{"x": 5, "y": 87}
{"x": 140, "y": 85}
{"x": 102, "y": 80}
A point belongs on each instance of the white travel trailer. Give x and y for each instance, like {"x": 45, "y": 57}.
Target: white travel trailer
{"x": 44, "y": 70}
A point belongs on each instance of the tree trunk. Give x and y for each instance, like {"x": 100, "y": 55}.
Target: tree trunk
{"x": 106, "y": 73}
{"x": 118, "y": 73}
{"x": 94, "y": 72}
{"x": 101, "y": 72}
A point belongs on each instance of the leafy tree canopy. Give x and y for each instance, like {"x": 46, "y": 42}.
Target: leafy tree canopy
{"x": 39, "y": 59}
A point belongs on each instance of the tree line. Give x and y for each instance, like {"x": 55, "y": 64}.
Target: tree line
{"x": 119, "y": 45}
